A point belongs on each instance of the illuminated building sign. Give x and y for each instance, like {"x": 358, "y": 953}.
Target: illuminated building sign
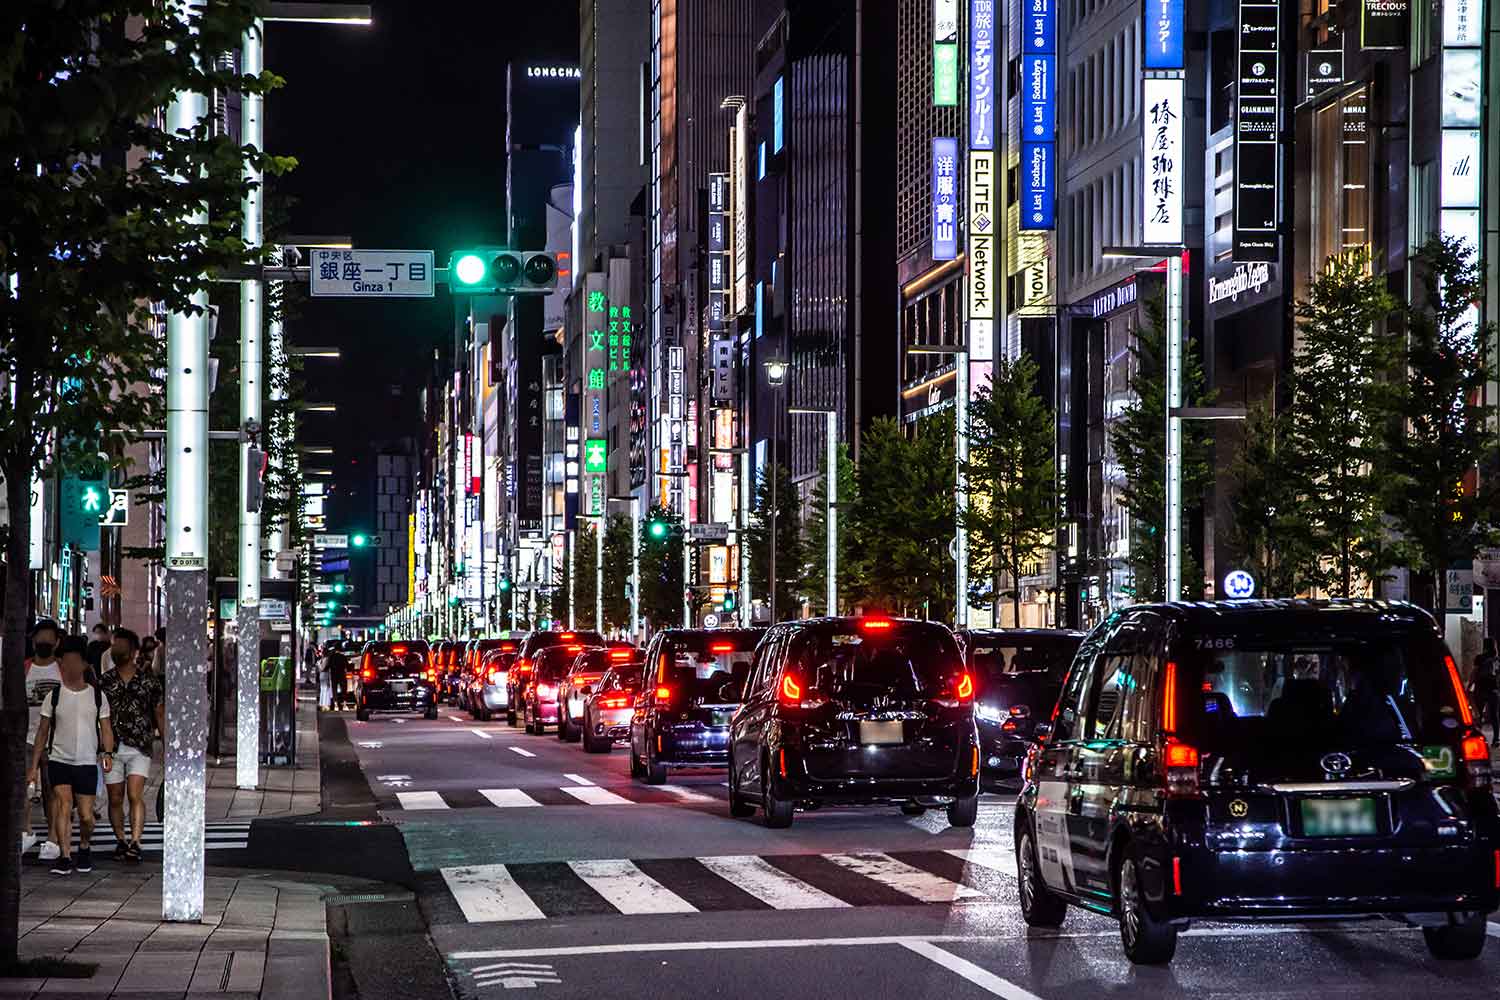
{"x": 595, "y": 363}
{"x": 1038, "y": 177}
{"x": 1038, "y": 166}
{"x": 1163, "y": 35}
{"x": 944, "y": 198}
{"x": 1161, "y": 155}
{"x": 553, "y": 73}
{"x": 981, "y": 236}
{"x": 1255, "y": 150}
{"x": 982, "y": 74}
{"x": 1384, "y": 24}
{"x": 945, "y": 53}
{"x": 1462, "y": 157}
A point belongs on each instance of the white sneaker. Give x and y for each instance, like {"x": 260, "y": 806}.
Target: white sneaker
{"x": 49, "y": 851}
{"x": 28, "y": 841}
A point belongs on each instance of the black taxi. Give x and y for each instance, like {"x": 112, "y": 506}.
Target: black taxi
{"x": 1018, "y": 673}
{"x": 1264, "y": 760}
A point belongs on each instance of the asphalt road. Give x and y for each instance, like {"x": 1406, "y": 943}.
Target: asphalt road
{"x": 536, "y": 866}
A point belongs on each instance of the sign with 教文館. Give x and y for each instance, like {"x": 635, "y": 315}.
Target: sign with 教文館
{"x": 370, "y": 274}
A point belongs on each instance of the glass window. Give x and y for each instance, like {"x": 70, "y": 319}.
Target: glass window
{"x": 1066, "y": 725}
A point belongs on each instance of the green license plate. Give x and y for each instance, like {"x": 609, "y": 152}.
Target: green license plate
{"x": 1339, "y": 818}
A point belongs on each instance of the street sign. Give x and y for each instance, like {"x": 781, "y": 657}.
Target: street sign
{"x": 271, "y": 608}
{"x": 710, "y": 621}
{"x": 118, "y": 514}
{"x": 371, "y": 274}
{"x": 708, "y": 531}
{"x": 286, "y": 561}
{"x": 1239, "y": 585}
{"x": 331, "y": 541}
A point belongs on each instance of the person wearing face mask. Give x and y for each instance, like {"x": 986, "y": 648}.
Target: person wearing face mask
{"x": 43, "y": 674}
{"x": 76, "y": 738}
{"x": 135, "y": 700}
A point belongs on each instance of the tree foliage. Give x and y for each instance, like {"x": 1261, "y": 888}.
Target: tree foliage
{"x": 1012, "y": 477}
{"x": 617, "y": 565}
{"x": 790, "y": 549}
{"x": 661, "y": 569}
{"x": 1270, "y": 525}
{"x": 586, "y": 582}
{"x": 816, "y": 537}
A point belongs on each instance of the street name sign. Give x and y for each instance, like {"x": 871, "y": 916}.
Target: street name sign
{"x": 371, "y": 274}
{"x": 331, "y": 541}
{"x": 708, "y": 531}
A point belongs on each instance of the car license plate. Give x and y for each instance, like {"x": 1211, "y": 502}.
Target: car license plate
{"x": 884, "y": 732}
{"x": 400, "y": 686}
{"x": 720, "y": 718}
{"x": 1338, "y": 818}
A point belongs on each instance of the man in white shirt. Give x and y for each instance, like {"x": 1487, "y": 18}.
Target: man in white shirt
{"x": 76, "y": 735}
{"x": 43, "y": 673}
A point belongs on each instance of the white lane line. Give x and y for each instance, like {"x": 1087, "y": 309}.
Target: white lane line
{"x": 481, "y": 734}
{"x": 994, "y": 858}
{"x": 593, "y": 796}
{"x": 421, "y": 800}
{"x": 508, "y": 798}
{"x": 962, "y": 967}
{"x": 1492, "y": 929}
{"x": 902, "y": 877}
{"x": 578, "y": 779}
{"x": 770, "y": 884}
{"x": 629, "y": 889}
{"x": 521, "y": 751}
{"x": 687, "y": 794}
{"x": 458, "y": 718}
{"x": 487, "y": 893}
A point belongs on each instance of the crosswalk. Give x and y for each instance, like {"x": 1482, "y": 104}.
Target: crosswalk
{"x": 560, "y": 795}
{"x": 495, "y": 893}
{"x": 218, "y": 835}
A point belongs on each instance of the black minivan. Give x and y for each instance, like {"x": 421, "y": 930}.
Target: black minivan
{"x": 1263, "y": 760}
{"x": 1018, "y": 673}
{"x": 855, "y": 710}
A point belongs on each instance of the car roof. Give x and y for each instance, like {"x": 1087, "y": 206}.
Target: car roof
{"x": 757, "y": 630}
{"x": 1280, "y": 613}
{"x": 1021, "y": 633}
{"x": 851, "y": 623}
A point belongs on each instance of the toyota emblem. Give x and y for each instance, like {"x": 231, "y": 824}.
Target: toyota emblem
{"x": 1336, "y": 764}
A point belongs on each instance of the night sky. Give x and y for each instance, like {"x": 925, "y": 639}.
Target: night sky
{"x": 399, "y": 130}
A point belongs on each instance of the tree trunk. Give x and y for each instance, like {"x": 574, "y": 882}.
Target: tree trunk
{"x": 13, "y": 708}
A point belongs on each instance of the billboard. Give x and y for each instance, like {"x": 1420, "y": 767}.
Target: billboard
{"x": 1163, "y": 34}
{"x": 1038, "y": 99}
{"x": 1161, "y": 156}
{"x": 944, "y": 198}
{"x": 1256, "y": 154}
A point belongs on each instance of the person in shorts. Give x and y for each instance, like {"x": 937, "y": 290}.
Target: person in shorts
{"x": 43, "y": 673}
{"x": 136, "y": 707}
{"x": 75, "y": 735}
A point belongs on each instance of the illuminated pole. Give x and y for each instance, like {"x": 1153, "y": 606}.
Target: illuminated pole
{"x": 247, "y": 735}
{"x": 186, "y": 737}
{"x": 572, "y": 582}
{"x": 745, "y": 487}
{"x": 635, "y": 569}
{"x": 831, "y": 491}
{"x": 961, "y": 492}
{"x": 1174, "y": 429}
{"x": 599, "y": 576}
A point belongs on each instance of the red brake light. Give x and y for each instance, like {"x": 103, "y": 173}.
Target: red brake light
{"x": 1464, "y": 713}
{"x": 574, "y": 649}
{"x": 367, "y": 674}
{"x": 1169, "y": 704}
{"x": 1182, "y": 755}
{"x": 507, "y": 647}
{"x": 721, "y": 647}
{"x": 1497, "y": 869}
{"x": 1182, "y": 770}
{"x": 398, "y": 650}
{"x": 791, "y": 691}
{"x": 663, "y": 693}
{"x": 565, "y": 636}
{"x": 431, "y": 674}
{"x": 1475, "y": 748}
{"x": 621, "y": 654}
{"x": 965, "y": 688}
{"x": 1020, "y": 711}
{"x": 875, "y": 624}
{"x": 615, "y": 701}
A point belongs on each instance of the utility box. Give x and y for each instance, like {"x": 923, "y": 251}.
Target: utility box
{"x": 278, "y": 712}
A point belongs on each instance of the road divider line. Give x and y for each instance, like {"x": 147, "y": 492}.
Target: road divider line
{"x": 578, "y": 779}
{"x": 628, "y": 889}
{"x": 481, "y": 734}
{"x": 962, "y": 967}
{"x": 508, "y": 798}
{"x": 904, "y": 878}
{"x": 421, "y": 800}
{"x": 522, "y": 751}
{"x": 592, "y": 795}
{"x": 488, "y": 894}
{"x": 711, "y": 945}
{"x": 770, "y": 884}
{"x": 1492, "y": 929}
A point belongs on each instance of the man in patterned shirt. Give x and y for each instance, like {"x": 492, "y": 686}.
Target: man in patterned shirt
{"x": 136, "y": 706}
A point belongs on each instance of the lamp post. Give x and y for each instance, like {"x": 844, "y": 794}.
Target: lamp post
{"x": 830, "y": 495}
{"x": 960, "y": 354}
{"x": 635, "y": 562}
{"x": 776, "y": 369}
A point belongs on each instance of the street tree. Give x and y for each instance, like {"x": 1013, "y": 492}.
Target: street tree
{"x": 95, "y": 199}
{"x": 1335, "y": 443}
{"x": 1012, "y": 478}
{"x": 661, "y": 567}
{"x": 1440, "y": 431}
{"x": 790, "y": 548}
{"x": 585, "y": 582}
{"x": 617, "y": 564}
{"x": 1270, "y": 523}
{"x": 1139, "y": 438}
{"x": 815, "y": 534}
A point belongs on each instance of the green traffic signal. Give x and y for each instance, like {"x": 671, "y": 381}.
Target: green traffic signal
{"x": 339, "y": 588}
{"x": 469, "y": 269}
{"x": 359, "y": 541}
{"x": 504, "y": 583}
{"x": 657, "y": 529}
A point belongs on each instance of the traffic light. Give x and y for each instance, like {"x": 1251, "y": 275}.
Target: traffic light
{"x": 359, "y": 541}
{"x": 657, "y": 528}
{"x": 504, "y": 584}
{"x": 728, "y": 603}
{"x": 339, "y": 588}
{"x": 83, "y": 504}
{"x": 490, "y": 270}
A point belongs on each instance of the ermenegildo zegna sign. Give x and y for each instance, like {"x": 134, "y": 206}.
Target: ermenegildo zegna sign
{"x": 1384, "y": 24}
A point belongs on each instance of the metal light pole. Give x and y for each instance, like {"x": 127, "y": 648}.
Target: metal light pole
{"x": 830, "y": 495}
{"x": 1174, "y": 429}
{"x": 775, "y": 377}
{"x": 746, "y": 487}
{"x": 599, "y": 576}
{"x": 635, "y": 561}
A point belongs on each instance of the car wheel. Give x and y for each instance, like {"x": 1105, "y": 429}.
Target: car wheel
{"x": 963, "y": 812}
{"x": 1147, "y": 941}
{"x": 778, "y": 811}
{"x": 510, "y": 716}
{"x": 1461, "y": 938}
{"x": 636, "y": 770}
{"x": 738, "y": 807}
{"x": 912, "y": 807}
{"x": 656, "y": 774}
{"x": 1039, "y": 907}
{"x": 590, "y": 745}
{"x": 431, "y": 712}
{"x": 361, "y": 713}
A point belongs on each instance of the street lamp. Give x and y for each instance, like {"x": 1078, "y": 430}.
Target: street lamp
{"x": 960, "y": 354}
{"x": 776, "y": 369}
{"x": 830, "y": 494}
{"x": 635, "y": 559}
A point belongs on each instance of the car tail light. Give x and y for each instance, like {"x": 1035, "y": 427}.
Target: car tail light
{"x": 963, "y": 693}
{"x": 431, "y": 674}
{"x": 574, "y": 649}
{"x": 876, "y": 624}
{"x": 565, "y": 636}
{"x": 621, "y": 654}
{"x": 497, "y": 677}
{"x": 721, "y": 647}
{"x": 663, "y": 693}
{"x": 974, "y": 763}
{"x": 507, "y": 647}
{"x": 1169, "y": 699}
{"x": 523, "y": 666}
{"x": 1475, "y": 753}
{"x": 1008, "y": 726}
{"x": 398, "y": 650}
{"x": 1497, "y": 869}
{"x": 545, "y": 690}
{"x": 1182, "y": 769}
{"x": 1176, "y": 875}
{"x": 615, "y": 701}
{"x": 1020, "y": 711}
{"x": 1465, "y": 715}
{"x": 367, "y": 674}
{"x": 793, "y": 696}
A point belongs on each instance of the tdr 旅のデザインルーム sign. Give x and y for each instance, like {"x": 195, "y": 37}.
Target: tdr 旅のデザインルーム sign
{"x": 371, "y": 274}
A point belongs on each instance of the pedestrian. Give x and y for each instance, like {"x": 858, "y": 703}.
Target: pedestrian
{"x": 43, "y": 675}
{"x": 101, "y": 633}
{"x": 136, "y": 715}
{"x": 338, "y": 676}
{"x": 159, "y": 664}
{"x": 1484, "y": 686}
{"x": 75, "y": 735}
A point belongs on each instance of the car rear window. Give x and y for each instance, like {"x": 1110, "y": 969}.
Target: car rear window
{"x": 1377, "y": 688}
{"x": 998, "y": 659}
{"x": 545, "y": 640}
{"x": 553, "y": 665}
{"x": 702, "y": 663}
{"x": 904, "y": 662}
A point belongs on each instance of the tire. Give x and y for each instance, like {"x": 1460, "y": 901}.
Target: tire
{"x": 510, "y": 716}
{"x": 963, "y": 812}
{"x": 779, "y": 811}
{"x": 1147, "y": 941}
{"x": 656, "y": 774}
{"x": 636, "y": 770}
{"x": 1039, "y": 908}
{"x": 738, "y": 807}
{"x": 361, "y": 714}
{"x": 1462, "y": 939}
{"x": 912, "y": 808}
{"x": 590, "y": 745}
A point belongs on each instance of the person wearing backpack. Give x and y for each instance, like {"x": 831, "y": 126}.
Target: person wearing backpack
{"x": 43, "y": 675}
{"x": 75, "y": 735}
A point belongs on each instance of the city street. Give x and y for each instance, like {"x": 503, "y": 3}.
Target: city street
{"x": 538, "y": 864}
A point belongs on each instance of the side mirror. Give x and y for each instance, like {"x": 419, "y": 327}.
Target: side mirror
{"x": 1040, "y": 732}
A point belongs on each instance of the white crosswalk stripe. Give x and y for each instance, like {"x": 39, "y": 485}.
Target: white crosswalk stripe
{"x": 217, "y": 835}
{"x": 902, "y": 877}
{"x": 508, "y": 798}
{"x": 595, "y": 796}
{"x": 770, "y": 884}
{"x": 686, "y": 794}
{"x": 628, "y": 889}
{"x": 421, "y": 800}
{"x": 488, "y": 893}
{"x": 994, "y": 858}
{"x": 578, "y": 779}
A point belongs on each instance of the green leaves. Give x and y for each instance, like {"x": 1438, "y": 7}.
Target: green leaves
{"x": 661, "y": 569}
{"x": 790, "y": 549}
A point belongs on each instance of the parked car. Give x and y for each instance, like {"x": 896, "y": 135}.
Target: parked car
{"x": 394, "y": 677}
{"x": 608, "y": 709}
{"x": 855, "y": 710}
{"x": 587, "y": 669}
{"x": 539, "y": 696}
{"x": 520, "y": 673}
{"x": 692, "y": 686}
{"x": 1018, "y": 674}
{"x": 1269, "y": 760}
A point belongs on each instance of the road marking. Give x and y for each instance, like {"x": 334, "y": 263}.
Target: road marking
{"x": 458, "y": 718}
{"x": 966, "y": 969}
{"x": 399, "y": 722}
{"x": 770, "y": 884}
{"x": 993, "y": 858}
{"x": 904, "y": 878}
{"x": 481, "y": 734}
{"x": 628, "y": 889}
{"x": 594, "y": 796}
{"x": 508, "y": 798}
{"x": 714, "y": 945}
{"x": 687, "y": 794}
{"x": 516, "y": 975}
{"x": 522, "y": 752}
{"x": 487, "y": 893}
{"x": 1492, "y": 929}
{"x": 578, "y": 779}
{"x": 421, "y": 800}
{"x": 371, "y": 744}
